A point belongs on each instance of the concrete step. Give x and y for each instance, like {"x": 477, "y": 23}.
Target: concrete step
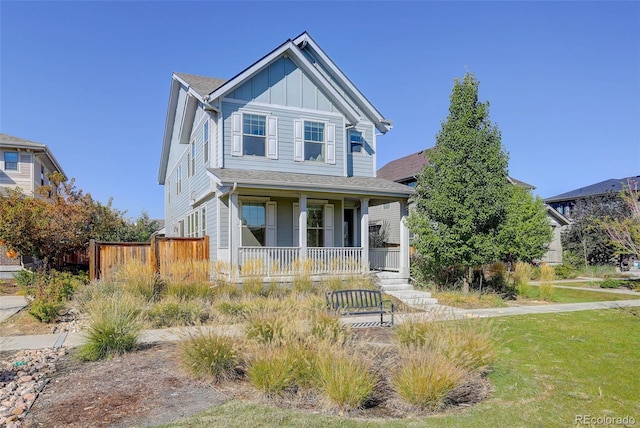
{"x": 391, "y": 281}
{"x": 396, "y": 287}
{"x": 409, "y": 294}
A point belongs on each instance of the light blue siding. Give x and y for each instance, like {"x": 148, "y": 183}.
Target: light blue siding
{"x": 362, "y": 164}
{"x": 285, "y": 162}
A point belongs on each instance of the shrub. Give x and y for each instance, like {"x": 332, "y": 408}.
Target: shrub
{"x": 114, "y": 328}
{"x": 45, "y": 309}
{"x": 566, "y": 271}
{"x": 610, "y": 283}
{"x": 424, "y": 379}
{"x": 344, "y": 378}
{"x": 206, "y": 354}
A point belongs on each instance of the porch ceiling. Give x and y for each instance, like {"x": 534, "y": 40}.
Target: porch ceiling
{"x": 360, "y": 186}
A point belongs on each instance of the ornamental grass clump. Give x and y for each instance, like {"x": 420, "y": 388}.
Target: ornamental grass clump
{"x": 521, "y": 277}
{"x": 206, "y": 354}
{"x": 547, "y": 275}
{"x": 271, "y": 371}
{"x": 173, "y": 311}
{"x": 115, "y": 327}
{"x": 424, "y": 379}
{"x": 345, "y": 378}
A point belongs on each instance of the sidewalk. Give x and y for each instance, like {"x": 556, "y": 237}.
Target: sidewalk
{"x": 71, "y": 340}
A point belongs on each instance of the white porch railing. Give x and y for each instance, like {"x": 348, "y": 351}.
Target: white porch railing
{"x": 335, "y": 260}
{"x": 286, "y": 261}
{"x": 384, "y": 259}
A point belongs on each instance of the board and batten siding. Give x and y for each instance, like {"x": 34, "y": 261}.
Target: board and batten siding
{"x": 283, "y": 83}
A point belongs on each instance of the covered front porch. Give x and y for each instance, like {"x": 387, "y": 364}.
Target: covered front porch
{"x": 285, "y": 224}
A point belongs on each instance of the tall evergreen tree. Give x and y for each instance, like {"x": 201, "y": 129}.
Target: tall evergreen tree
{"x": 461, "y": 195}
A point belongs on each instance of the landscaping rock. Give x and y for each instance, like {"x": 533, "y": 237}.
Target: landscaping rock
{"x": 22, "y": 376}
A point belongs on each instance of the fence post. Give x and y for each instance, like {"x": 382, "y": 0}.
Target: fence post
{"x": 154, "y": 256}
{"x": 93, "y": 268}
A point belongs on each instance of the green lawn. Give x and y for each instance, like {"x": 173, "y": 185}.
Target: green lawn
{"x": 569, "y": 295}
{"x": 551, "y": 367}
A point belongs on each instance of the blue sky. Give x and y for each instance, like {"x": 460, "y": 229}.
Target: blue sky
{"x": 91, "y": 79}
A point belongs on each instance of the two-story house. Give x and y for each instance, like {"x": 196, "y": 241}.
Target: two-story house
{"x": 277, "y": 164}
{"x": 24, "y": 164}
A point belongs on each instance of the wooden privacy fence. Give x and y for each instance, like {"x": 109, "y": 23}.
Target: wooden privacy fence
{"x": 106, "y": 257}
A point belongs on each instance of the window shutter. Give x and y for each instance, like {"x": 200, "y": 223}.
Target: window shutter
{"x": 296, "y": 226}
{"x": 272, "y": 212}
{"x": 328, "y": 225}
{"x": 236, "y": 132}
{"x": 331, "y": 144}
{"x": 298, "y": 141}
{"x": 272, "y": 137}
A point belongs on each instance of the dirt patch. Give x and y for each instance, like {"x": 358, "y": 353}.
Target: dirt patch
{"x": 142, "y": 388}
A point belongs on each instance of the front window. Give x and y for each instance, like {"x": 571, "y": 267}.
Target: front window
{"x": 315, "y": 226}
{"x": 314, "y": 141}
{"x": 254, "y": 224}
{"x": 254, "y": 134}
{"x": 11, "y": 161}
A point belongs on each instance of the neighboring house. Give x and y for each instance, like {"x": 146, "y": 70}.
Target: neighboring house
{"x": 276, "y": 164}
{"x": 564, "y": 203}
{"x": 384, "y": 219}
{"x": 24, "y": 164}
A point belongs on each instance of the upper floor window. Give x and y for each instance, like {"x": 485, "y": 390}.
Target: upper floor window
{"x": 254, "y": 134}
{"x": 206, "y": 141}
{"x": 11, "y": 161}
{"x": 314, "y": 149}
{"x": 43, "y": 177}
{"x": 356, "y": 142}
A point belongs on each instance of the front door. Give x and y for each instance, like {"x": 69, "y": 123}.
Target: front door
{"x": 349, "y": 227}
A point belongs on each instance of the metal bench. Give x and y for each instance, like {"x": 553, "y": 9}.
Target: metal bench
{"x": 360, "y": 302}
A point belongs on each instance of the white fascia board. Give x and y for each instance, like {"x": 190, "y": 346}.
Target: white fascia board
{"x": 382, "y": 124}
{"x": 168, "y": 128}
{"x": 214, "y": 177}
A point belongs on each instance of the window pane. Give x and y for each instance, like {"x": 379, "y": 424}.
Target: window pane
{"x": 314, "y": 131}
{"x": 11, "y": 161}
{"x": 253, "y": 224}
{"x": 255, "y": 124}
{"x": 253, "y": 146}
{"x": 314, "y": 151}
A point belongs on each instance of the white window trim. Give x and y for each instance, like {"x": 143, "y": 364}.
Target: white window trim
{"x": 18, "y": 163}
{"x": 270, "y": 138}
{"x": 329, "y": 141}
{"x": 363, "y": 151}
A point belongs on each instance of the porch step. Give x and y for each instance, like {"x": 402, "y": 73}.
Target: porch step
{"x": 399, "y": 287}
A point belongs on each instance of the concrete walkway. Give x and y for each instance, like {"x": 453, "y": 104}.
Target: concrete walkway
{"x": 12, "y": 304}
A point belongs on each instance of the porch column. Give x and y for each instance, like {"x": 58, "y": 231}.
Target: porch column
{"x": 302, "y": 226}
{"x": 404, "y": 240}
{"x": 235, "y": 231}
{"x": 364, "y": 233}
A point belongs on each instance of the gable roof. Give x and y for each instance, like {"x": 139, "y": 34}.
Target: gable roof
{"x": 601, "y": 188}
{"x": 405, "y": 168}
{"x": 408, "y": 168}
{"x": 10, "y": 141}
{"x": 202, "y": 85}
